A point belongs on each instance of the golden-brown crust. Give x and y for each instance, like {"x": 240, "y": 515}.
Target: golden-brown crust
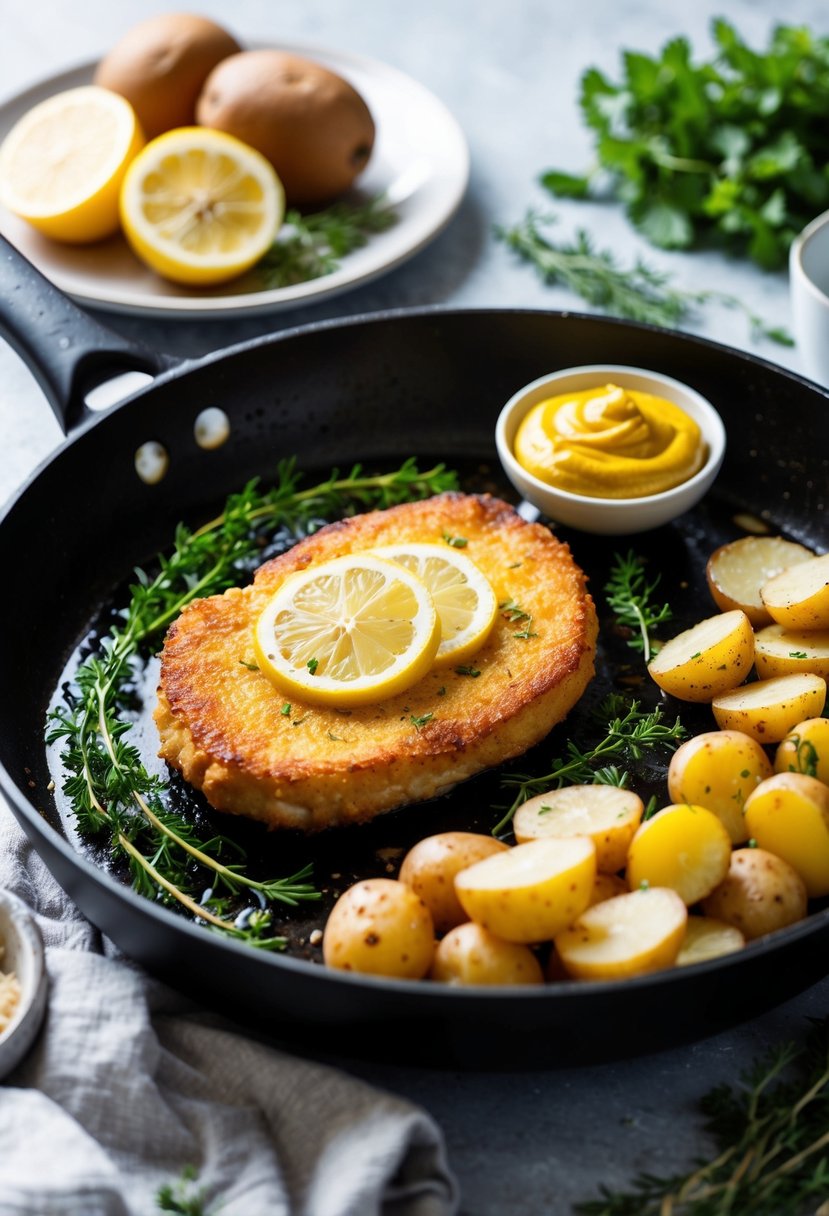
{"x": 221, "y": 723}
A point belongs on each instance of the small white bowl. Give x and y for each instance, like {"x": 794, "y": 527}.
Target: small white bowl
{"x": 809, "y": 287}
{"x": 610, "y": 516}
{"x": 24, "y": 956}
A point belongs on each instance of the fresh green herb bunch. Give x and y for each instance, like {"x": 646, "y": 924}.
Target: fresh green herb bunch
{"x": 735, "y": 147}
{"x": 636, "y": 292}
{"x": 111, "y": 792}
{"x": 629, "y": 595}
{"x": 311, "y": 246}
{"x": 629, "y": 732}
{"x": 771, "y": 1138}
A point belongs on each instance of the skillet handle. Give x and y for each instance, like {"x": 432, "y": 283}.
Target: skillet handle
{"x": 67, "y": 351}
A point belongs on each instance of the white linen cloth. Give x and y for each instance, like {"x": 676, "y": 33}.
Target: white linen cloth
{"x": 127, "y": 1086}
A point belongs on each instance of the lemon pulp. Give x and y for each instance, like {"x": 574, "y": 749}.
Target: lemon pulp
{"x": 62, "y": 164}
{"x": 351, "y": 631}
{"x": 200, "y": 206}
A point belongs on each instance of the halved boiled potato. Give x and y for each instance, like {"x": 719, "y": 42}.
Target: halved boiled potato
{"x": 718, "y": 770}
{"x": 768, "y": 709}
{"x": 530, "y": 892}
{"x": 805, "y": 750}
{"x": 736, "y": 572}
{"x": 707, "y": 938}
{"x": 712, "y": 657}
{"x": 607, "y": 886}
{"x": 685, "y": 848}
{"x": 605, "y": 813}
{"x": 761, "y": 892}
{"x": 783, "y": 652}
{"x": 470, "y": 954}
{"x": 789, "y": 816}
{"x": 799, "y": 597}
{"x": 629, "y": 935}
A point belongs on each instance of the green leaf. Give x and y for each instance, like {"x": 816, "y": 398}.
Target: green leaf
{"x": 664, "y": 225}
{"x": 565, "y": 185}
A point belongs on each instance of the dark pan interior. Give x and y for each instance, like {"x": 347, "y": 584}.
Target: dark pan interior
{"x": 426, "y": 384}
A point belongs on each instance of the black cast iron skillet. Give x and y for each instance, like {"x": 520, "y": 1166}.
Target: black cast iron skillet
{"x": 427, "y": 383}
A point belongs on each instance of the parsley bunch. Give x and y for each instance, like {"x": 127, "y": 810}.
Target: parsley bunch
{"x": 735, "y": 147}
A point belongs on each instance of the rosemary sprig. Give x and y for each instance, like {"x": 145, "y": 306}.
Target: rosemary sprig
{"x": 110, "y": 790}
{"x": 630, "y": 731}
{"x": 771, "y": 1138}
{"x": 628, "y": 593}
{"x": 637, "y": 292}
{"x": 311, "y": 246}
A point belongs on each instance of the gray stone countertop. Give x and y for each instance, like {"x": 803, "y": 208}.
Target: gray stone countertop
{"x": 529, "y": 1142}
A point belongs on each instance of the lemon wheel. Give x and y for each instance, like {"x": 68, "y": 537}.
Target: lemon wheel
{"x": 62, "y": 164}
{"x": 466, "y": 604}
{"x": 351, "y": 631}
{"x": 200, "y": 206}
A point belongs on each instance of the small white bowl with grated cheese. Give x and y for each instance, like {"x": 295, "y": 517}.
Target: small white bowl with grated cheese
{"x": 23, "y": 981}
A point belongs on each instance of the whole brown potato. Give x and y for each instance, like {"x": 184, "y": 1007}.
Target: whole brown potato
{"x": 160, "y": 66}
{"x": 312, "y": 125}
{"x": 760, "y": 893}
{"x": 430, "y": 866}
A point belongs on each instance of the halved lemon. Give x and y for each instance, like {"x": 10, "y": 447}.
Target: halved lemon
{"x": 351, "y": 631}
{"x": 466, "y": 603}
{"x": 200, "y": 206}
{"x": 62, "y": 164}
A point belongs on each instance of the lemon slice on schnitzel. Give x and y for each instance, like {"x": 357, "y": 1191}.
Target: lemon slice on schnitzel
{"x": 466, "y": 603}
{"x": 352, "y": 631}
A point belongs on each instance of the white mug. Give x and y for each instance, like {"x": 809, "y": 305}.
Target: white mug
{"x": 809, "y": 285}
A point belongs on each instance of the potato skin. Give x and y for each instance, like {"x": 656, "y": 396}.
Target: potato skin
{"x": 789, "y": 815}
{"x": 430, "y": 866}
{"x": 160, "y": 66}
{"x": 683, "y": 848}
{"x": 380, "y": 927}
{"x": 768, "y": 709}
{"x": 760, "y": 893}
{"x": 718, "y": 770}
{"x": 313, "y": 126}
{"x": 470, "y": 954}
{"x": 811, "y": 740}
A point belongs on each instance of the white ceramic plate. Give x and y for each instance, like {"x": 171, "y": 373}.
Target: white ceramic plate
{"x": 420, "y": 162}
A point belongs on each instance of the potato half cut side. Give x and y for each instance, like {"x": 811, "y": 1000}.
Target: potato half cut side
{"x": 605, "y": 813}
{"x": 789, "y": 816}
{"x": 799, "y": 597}
{"x": 629, "y": 935}
{"x": 718, "y": 770}
{"x": 530, "y": 892}
{"x": 805, "y": 750}
{"x": 761, "y": 892}
{"x": 684, "y": 848}
{"x": 707, "y": 938}
{"x": 714, "y": 656}
{"x": 769, "y": 709}
{"x": 784, "y": 652}
{"x": 736, "y": 572}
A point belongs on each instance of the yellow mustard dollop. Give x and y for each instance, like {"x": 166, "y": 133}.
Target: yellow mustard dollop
{"x": 610, "y": 442}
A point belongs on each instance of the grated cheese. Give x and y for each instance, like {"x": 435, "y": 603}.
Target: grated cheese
{"x": 9, "y": 995}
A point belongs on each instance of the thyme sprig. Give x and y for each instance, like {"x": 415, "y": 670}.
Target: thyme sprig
{"x": 108, "y": 787}
{"x": 637, "y": 292}
{"x": 629, "y": 596}
{"x": 311, "y": 246}
{"x": 771, "y": 1138}
{"x": 630, "y": 731}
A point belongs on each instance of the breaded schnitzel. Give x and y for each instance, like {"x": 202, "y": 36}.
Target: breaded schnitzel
{"x": 222, "y": 724}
